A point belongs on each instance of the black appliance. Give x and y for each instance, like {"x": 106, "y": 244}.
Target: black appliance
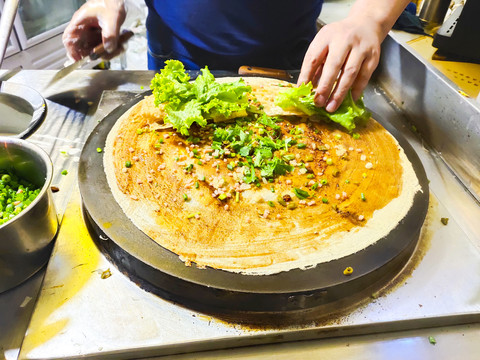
{"x": 459, "y": 36}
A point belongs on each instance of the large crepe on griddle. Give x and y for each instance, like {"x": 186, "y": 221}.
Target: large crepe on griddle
{"x": 199, "y": 207}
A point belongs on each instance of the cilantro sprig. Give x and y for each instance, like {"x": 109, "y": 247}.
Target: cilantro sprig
{"x": 258, "y": 149}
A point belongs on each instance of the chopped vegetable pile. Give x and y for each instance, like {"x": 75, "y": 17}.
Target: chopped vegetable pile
{"x": 348, "y": 115}
{"x": 255, "y": 146}
{"x": 15, "y": 195}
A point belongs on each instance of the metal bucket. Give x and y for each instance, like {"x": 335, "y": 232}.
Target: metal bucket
{"x": 433, "y": 11}
{"x": 26, "y": 241}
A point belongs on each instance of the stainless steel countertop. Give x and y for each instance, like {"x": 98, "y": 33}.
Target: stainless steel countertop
{"x": 71, "y": 106}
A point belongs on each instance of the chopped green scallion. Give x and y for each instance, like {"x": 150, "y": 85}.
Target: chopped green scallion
{"x": 301, "y": 194}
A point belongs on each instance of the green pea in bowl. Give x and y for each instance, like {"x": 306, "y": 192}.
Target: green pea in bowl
{"x": 28, "y": 220}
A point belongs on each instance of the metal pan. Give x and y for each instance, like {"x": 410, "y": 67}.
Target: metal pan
{"x": 23, "y": 110}
{"x": 294, "y": 292}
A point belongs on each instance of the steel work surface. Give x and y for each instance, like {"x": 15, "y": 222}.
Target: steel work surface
{"x": 79, "y": 313}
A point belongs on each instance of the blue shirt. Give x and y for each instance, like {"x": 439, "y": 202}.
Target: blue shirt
{"x": 225, "y": 34}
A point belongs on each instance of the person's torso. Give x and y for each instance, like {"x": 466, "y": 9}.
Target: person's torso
{"x": 228, "y": 33}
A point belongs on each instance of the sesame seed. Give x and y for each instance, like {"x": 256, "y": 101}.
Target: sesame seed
{"x": 363, "y": 157}
{"x": 361, "y": 217}
{"x": 368, "y": 165}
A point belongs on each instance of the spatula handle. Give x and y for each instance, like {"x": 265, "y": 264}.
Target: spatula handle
{"x": 266, "y": 72}
{"x": 99, "y": 50}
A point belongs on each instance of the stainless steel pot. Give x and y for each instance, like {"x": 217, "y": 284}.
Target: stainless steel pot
{"x": 26, "y": 240}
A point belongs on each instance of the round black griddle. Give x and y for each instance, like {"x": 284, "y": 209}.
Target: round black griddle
{"x": 216, "y": 291}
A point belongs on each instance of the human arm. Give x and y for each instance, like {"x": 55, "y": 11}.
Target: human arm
{"x": 95, "y": 22}
{"x": 344, "y": 54}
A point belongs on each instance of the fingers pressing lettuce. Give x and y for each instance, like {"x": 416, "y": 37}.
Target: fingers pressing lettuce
{"x": 348, "y": 115}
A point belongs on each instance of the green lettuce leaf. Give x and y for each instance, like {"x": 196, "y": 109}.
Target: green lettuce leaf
{"x": 349, "y": 114}
{"x": 195, "y": 102}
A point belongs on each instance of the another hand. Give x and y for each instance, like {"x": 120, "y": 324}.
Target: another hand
{"x": 343, "y": 55}
{"x": 95, "y": 22}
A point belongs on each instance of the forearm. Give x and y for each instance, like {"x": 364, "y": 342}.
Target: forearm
{"x": 383, "y": 13}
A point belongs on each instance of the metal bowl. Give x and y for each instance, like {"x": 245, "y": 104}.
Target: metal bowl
{"x": 23, "y": 109}
{"x": 26, "y": 240}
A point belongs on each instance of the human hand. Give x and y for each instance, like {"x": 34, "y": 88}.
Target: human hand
{"x": 342, "y": 56}
{"x": 95, "y": 22}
